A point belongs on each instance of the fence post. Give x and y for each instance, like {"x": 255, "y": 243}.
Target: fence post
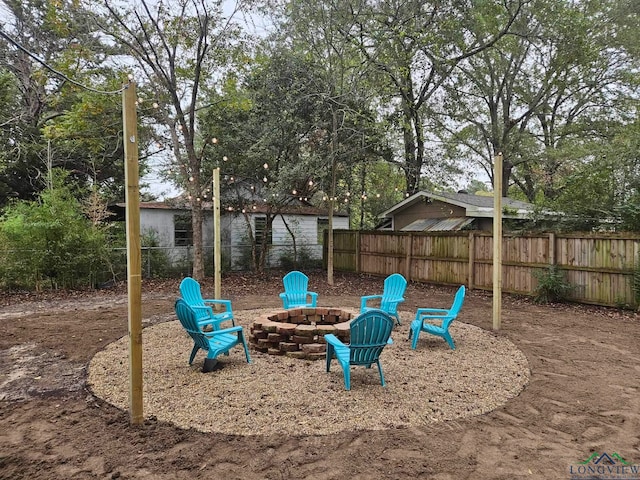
{"x": 552, "y": 248}
{"x": 358, "y": 251}
{"x": 472, "y": 258}
{"x": 409, "y": 255}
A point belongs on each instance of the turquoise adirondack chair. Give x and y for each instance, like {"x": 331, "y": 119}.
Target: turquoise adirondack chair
{"x": 295, "y": 291}
{"x": 445, "y": 316}
{"x": 370, "y": 333}
{"x": 214, "y": 342}
{"x": 205, "y": 315}
{"x": 392, "y": 295}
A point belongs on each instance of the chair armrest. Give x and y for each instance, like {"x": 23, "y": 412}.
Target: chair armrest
{"x": 226, "y": 303}
{"x": 313, "y": 294}
{"x": 333, "y": 340}
{"x": 435, "y": 317}
{"x": 390, "y": 341}
{"x": 366, "y": 298}
{"x": 224, "y": 330}
{"x": 434, "y": 311}
{"x": 208, "y": 309}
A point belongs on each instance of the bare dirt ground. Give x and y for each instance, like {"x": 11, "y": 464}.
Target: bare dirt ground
{"x": 582, "y": 396}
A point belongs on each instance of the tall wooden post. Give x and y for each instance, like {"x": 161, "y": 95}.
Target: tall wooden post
{"x": 134, "y": 278}
{"x": 217, "y": 254}
{"x": 497, "y": 241}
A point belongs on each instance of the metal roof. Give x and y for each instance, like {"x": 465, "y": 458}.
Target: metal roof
{"x": 437, "y": 224}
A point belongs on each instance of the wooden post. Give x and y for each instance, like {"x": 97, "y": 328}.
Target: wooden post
{"x": 472, "y": 259}
{"x": 408, "y": 256}
{"x": 358, "y": 266}
{"x": 497, "y": 241}
{"x": 217, "y": 266}
{"x": 134, "y": 278}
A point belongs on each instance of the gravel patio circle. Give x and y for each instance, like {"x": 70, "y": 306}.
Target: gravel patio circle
{"x": 282, "y": 395}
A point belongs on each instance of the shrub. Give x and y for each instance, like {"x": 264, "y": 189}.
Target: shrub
{"x": 552, "y": 285}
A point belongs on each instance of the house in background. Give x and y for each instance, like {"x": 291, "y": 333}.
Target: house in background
{"x": 170, "y": 223}
{"x": 432, "y": 212}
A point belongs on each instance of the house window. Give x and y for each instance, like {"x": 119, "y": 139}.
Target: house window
{"x": 260, "y": 227}
{"x": 323, "y": 224}
{"x": 183, "y": 230}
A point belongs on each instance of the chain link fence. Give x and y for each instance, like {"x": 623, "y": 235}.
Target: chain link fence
{"x": 176, "y": 262}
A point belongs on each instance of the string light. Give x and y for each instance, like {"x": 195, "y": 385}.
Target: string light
{"x": 224, "y": 159}
{"x": 214, "y": 140}
{"x": 266, "y": 166}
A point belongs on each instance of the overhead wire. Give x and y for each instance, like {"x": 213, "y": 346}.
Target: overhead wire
{"x": 57, "y": 72}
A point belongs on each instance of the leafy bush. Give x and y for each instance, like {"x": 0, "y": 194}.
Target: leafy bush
{"x": 50, "y": 240}
{"x": 552, "y": 285}
{"x": 302, "y": 261}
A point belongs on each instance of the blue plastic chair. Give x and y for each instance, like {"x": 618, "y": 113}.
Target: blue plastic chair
{"x": 392, "y": 295}
{"x": 370, "y": 333}
{"x": 446, "y": 316}
{"x": 295, "y": 291}
{"x": 190, "y": 292}
{"x": 214, "y": 342}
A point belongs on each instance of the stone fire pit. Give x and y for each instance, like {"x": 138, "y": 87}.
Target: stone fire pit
{"x": 299, "y": 332}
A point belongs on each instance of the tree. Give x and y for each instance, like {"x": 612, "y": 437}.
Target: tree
{"x": 180, "y": 49}
{"x": 45, "y": 90}
{"x": 50, "y": 239}
{"x": 542, "y": 96}
{"x": 415, "y": 46}
{"x": 267, "y": 129}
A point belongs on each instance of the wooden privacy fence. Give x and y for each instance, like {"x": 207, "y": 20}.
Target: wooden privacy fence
{"x": 599, "y": 267}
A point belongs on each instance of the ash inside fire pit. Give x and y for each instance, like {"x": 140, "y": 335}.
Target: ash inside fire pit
{"x": 299, "y": 332}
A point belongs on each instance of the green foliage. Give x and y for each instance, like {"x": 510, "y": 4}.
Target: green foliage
{"x": 50, "y": 241}
{"x": 301, "y": 260}
{"x": 552, "y": 285}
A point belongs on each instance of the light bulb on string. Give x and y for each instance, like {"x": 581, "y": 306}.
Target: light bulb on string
{"x": 224, "y": 159}
{"x": 294, "y": 192}
{"x": 214, "y": 140}
{"x": 264, "y": 179}
{"x": 377, "y": 195}
{"x": 155, "y": 105}
{"x": 191, "y": 179}
{"x": 265, "y": 166}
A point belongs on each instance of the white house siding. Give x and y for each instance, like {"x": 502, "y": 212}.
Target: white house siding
{"x": 304, "y": 227}
{"x": 234, "y": 233}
